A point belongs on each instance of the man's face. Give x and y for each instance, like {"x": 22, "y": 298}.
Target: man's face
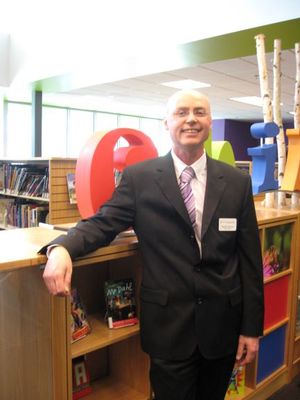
{"x": 189, "y": 122}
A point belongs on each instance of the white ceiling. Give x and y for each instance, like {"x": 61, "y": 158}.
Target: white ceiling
{"x": 228, "y": 78}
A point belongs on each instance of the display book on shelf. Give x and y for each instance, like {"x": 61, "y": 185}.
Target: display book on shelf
{"x": 24, "y": 190}
{"x": 120, "y": 303}
{"x": 80, "y": 327}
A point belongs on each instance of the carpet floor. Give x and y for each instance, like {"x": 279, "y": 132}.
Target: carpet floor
{"x": 288, "y": 392}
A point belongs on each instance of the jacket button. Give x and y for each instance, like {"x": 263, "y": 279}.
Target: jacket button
{"x": 192, "y": 237}
{"x": 199, "y": 300}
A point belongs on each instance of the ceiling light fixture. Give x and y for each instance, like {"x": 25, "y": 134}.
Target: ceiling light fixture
{"x": 186, "y": 84}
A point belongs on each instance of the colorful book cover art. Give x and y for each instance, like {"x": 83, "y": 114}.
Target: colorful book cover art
{"x": 71, "y": 188}
{"x": 236, "y": 385}
{"x": 81, "y": 378}
{"x": 277, "y": 249}
{"x": 80, "y": 326}
{"x": 120, "y": 303}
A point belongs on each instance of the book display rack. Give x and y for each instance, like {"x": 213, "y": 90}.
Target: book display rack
{"x": 35, "y": 190}
{"x": 36, "y": 326}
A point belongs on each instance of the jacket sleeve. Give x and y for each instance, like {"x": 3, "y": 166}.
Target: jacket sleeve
{"x": 99, "y": 230}
{"x": 251, "y": 269}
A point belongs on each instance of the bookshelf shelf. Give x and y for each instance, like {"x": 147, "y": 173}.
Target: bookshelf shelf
{"x": 101, "y": 336}
{"x": 20, "y": 196}
{"x": 109, "y": 388}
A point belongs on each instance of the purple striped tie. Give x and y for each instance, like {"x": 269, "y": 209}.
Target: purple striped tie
{"x": 186, "y": 190}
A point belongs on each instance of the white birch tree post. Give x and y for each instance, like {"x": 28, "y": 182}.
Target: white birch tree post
{"x": 281, "y": 148}
{"x": 265, "y": 96}
{"x": 295, "y": 196}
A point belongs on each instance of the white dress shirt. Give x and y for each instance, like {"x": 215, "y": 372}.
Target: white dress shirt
{"x": 198, "y": 185}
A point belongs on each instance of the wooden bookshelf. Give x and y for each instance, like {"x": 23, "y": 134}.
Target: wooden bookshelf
{"x": 60, "y": 209}
{"x": 35, "y": 327}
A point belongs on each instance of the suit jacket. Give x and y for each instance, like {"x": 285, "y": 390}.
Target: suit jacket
{"x": 187, "y": 299}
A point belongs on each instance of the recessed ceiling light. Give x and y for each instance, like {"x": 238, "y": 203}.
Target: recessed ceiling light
{"x": 253, "y": 100}
{"x": 186, "y": 84}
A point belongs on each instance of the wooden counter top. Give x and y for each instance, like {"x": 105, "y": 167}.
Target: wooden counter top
{"x": 19, "y": 248}
{"x": 265, "y": 215}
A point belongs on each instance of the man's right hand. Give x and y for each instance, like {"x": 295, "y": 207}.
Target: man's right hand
{"x": 58, "y": 272}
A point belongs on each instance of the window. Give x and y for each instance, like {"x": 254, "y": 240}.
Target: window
{"x": 105, "y": 122}
{"x": 80, "y": 129}
{"x": 155, "y": 130}
{"x": 65, "y": 131}
{"x": 126, "y": 121}
{"x": 54, "y": 132}
{"x": 18, "y": 131}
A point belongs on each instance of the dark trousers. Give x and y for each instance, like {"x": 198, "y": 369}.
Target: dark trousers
{"x": 195, "y": 378}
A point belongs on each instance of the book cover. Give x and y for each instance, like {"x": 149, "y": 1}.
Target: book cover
{"x": 71, "y": 188}
{"x": 236, "y": 387}
{"x": 120, "y": 303}
{"x": 277, "y": 249}
{"x": 81, "y": 378}
{"x": 80, "y": 326}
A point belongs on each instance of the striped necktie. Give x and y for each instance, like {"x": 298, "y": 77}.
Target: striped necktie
{"x": 186, "y": 190}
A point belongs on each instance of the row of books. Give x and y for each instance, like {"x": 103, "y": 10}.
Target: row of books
{"x": 29, "y": 180}
{"x": 14, "y": 212}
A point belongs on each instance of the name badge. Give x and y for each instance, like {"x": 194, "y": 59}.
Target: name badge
{"x": 227, "y": 224}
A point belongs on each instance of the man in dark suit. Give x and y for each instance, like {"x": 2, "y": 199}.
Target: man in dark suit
{"x": 202, "y": 288}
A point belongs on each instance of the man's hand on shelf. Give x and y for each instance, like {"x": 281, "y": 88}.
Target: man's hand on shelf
{"x": 58, "y": 271}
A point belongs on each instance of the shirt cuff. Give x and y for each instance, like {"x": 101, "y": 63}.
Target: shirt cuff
{"x": 49, "y": 249}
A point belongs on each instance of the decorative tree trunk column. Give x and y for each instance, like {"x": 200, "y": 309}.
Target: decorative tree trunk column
{"x": 281, "y": 148}
{"x": 265, "y": 95}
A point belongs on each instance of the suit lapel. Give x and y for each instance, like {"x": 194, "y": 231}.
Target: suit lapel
{"x": 214, "y": 189}
{"x": 167, "y": 181}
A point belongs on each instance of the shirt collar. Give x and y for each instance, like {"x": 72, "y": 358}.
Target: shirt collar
{"x": 199, "y": 166}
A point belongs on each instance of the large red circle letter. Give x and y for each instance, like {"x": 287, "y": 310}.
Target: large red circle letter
{"x": 97, "y": 163}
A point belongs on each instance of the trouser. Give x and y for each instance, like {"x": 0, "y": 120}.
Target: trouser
{"x": 195, "y": 378}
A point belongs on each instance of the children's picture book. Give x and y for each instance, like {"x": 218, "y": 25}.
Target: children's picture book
{"x": 81, "y": 378}
{"x": 120, "y": 303}
{"x": 236, "y": 387}
{"x": 277, "y": 249}
{"x": 71, "y": 188}
{"x": 80, "y": 326}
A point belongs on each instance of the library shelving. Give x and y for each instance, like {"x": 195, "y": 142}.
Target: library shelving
{"x": 35, "y": 327}
{"x": 35, "y": 190}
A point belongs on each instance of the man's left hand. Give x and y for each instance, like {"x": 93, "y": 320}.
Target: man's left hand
{"x": 247, "y": 350}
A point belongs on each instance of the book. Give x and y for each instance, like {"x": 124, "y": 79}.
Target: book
{"x": 236, "y": 387}
{"x": 2, "y": 173}
{"x": 71, "y": 188}
{"x": 80, "y": 325}
{"x": 81, "y": 378}
{"x": 120, "y": 303}
{"x": 277, "y": 249}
